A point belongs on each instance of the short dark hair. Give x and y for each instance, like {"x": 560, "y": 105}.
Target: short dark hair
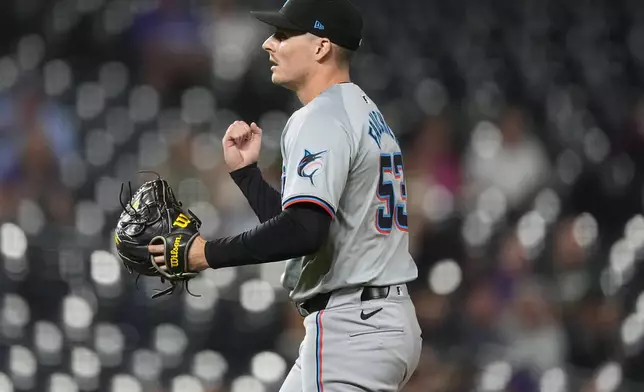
{"x": 345, "y": 56}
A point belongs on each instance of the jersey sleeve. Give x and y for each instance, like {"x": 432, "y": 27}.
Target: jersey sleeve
{"x": 317, "y": 160}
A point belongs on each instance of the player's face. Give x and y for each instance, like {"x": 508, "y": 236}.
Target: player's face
{"x": 289, "y": 53}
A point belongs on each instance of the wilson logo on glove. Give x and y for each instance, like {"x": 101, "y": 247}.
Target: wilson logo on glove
{"x": 181, "y": 221}
{"x": 174, "y": 253}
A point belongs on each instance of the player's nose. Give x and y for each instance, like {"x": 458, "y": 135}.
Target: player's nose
{"x": 269, "y": 44}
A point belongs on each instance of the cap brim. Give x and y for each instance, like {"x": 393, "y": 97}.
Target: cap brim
{"x": 275, "y": 19}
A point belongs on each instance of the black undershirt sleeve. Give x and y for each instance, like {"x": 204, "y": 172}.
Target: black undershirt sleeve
{"x": 297, "y": 231}
{"x": 261, "y": 196}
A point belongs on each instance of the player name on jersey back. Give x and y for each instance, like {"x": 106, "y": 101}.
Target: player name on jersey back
{"x": 340, "y": 154}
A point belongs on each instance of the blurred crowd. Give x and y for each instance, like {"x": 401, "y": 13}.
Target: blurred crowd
{"x": 522, "y": 128}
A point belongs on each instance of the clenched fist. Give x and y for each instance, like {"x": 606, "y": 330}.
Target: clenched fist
{"x": 241, "y": 143}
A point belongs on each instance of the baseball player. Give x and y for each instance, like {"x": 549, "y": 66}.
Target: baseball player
{"x": 340, "y": 218}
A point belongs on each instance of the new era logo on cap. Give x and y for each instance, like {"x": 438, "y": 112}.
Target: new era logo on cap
{"x": 318, "y": 25}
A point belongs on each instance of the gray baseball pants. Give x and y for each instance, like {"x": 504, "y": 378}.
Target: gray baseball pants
{"x": 354, "y": 345}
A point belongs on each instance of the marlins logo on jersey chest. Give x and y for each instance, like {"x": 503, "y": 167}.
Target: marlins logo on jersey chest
{"x": 311, "y": 164}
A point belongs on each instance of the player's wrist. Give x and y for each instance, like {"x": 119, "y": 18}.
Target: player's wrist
{"x": 212, "y": 253}
{"x": 197, "y": 255}
{"x": 242, "y": 170}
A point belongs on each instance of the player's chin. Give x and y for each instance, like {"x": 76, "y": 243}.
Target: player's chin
{"x": 280, "y": 80}
{"x": 277, "y": 79}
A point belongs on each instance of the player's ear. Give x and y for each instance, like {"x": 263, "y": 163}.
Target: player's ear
{"x": 322, "y": 48}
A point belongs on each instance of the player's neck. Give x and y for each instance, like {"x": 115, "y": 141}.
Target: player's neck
{"x": 318, "y": 84}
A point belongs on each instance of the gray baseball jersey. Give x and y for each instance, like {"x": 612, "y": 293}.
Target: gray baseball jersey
{"x": 340, "y": 154}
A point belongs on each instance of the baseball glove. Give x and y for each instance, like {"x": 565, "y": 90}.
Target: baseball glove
{"x": 153, "y": 215}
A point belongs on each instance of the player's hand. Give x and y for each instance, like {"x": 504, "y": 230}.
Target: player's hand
{"x": 241, "y": 143}
{"x": 196, "y": 255}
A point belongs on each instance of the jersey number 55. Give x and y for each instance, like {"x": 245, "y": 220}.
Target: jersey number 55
{"x": 394, "y": 210}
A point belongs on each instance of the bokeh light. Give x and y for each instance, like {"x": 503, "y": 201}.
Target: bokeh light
{"x": 16, "y": 315}
{"x": 144, "y": 103}
{"x": 585, "y": 230}
{"x": 553, "y": 380}
{"x": 13, "y": 241}
{"x": 186, "y": 383}
{"x": 5, "y": 383}
{"x": 256, "y": 295}
{"x": 210, "y": 367}
{"x": 170, "y": 341}
{"x": 495, "y": 377}
{"x": 31, "y": 50}
{"x": 22, "y": 367}
{"x": 61, "y": 382}
{"x": 268, "y": 367}
{"x": 58, "y": 77}
{"x": 146, "y": 364}
{"x": 9, "y": 71}
{"x": 113, "y": 78}
{"x": 247, "y": 384}
{"x": 109, "y": 344}
{"x": 609, "y": 378}
{"x": 125, "y": 383}
{"x": 445, "y": 277}
{"x": 438, "y": 203}
{"x": 48, "y": 341}
{"x": 77, "y": 317}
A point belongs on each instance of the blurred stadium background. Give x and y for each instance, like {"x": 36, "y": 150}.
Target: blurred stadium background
{"x": 522, "y": 124}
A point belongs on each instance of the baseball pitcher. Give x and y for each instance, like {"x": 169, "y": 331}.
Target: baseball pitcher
{"x": 340, "y": 217}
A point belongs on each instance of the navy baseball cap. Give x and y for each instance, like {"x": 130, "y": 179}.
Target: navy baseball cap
{"x": 338, "y": 20}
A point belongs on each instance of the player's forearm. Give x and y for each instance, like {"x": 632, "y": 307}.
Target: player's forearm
{"x": 261, "y": 196}
{"x": 296, "y": 232}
